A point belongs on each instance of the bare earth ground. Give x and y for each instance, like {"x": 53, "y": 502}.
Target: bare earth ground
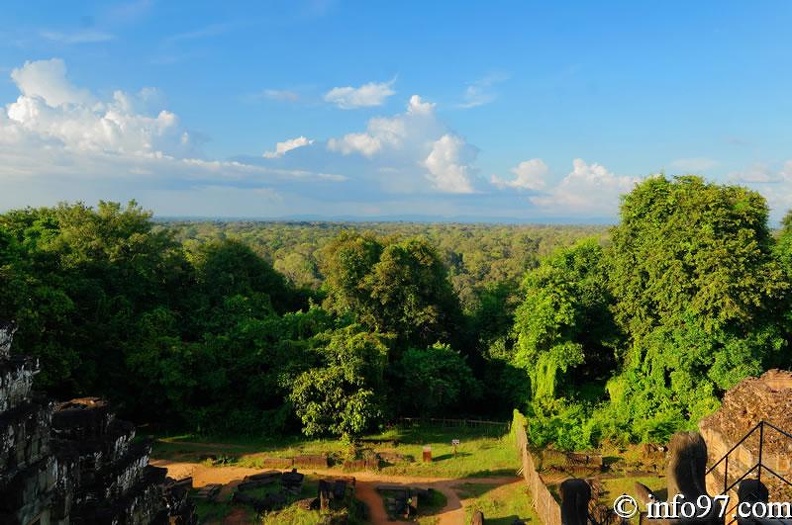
{"x": 365, "y": 488}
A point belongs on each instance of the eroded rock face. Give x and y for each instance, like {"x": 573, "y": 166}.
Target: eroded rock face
{"x": 28, "y": 470}
{"x": 7, "y": 330}
{"x": 74, "y": 462}
{"x": 767, "y": 398}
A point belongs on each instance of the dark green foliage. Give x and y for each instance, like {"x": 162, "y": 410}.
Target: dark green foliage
{"x": 436, "y": 380}
{"x": 215, "y": 327}
{"x": 397, "y": 287}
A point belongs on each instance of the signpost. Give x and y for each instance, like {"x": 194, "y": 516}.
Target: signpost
{"x": 455, "y": 444}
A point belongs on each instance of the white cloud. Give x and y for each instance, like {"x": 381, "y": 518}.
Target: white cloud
{"x": 389, "y": 131}
{"x": 446, "y": 171}
{"x": 46, "y": 79}
{"x": 281, "y": 148}
{"x": 694, "y": 164}
{"x": 59, "y": 142}
{"x": 588, "y": 190}
{"x": 530, "y": 176}
{"x": 362, "y": 143}
{"x": 367, "y": 95}
{"x": 416, "y": 106}
{"x": 410, "y": 148}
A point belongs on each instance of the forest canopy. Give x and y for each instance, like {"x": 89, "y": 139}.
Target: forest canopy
{"x": 629, "y": 333}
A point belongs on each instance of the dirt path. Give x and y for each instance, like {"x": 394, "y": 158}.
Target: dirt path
{"x": 365, "y": 488}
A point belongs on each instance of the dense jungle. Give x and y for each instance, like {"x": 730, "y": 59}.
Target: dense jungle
{"x": 625, "y": 333}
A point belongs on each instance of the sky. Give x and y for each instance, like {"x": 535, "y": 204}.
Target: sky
{"x": 502, "y": 110}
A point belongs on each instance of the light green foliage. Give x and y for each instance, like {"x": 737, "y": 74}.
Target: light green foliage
{"x": 695, "y": 282}
{"x": 343, "y": 394}
{"x": 685, "y": 247}
{"x": 564, "y": 322}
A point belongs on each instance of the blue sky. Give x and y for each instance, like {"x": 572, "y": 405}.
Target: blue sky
{"x": 514, "y": 109}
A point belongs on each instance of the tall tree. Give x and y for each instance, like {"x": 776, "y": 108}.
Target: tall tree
{"x": 566, "y": 335}
{"x": 343, "y": 394}
{"x": 696, "y": 284}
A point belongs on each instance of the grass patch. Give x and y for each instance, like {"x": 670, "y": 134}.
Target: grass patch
{"x": 477, "y": 455}
{"x": 617, "y": 486}
{"x": 293, "y": 515}
{"x": 191, "y": 447}
{"x": 212, "y": 511}
{"x": 482, "y": 452}
{"x": 500, "y": 505}
{"x": 353, "y": 514}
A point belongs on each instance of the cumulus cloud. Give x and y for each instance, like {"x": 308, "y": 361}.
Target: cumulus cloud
{"x": 363, "y": 143}
{"x": 383, "y": 131}
{"x": 46, "y": 80}
{"x": 60, "y": 142}
{"x": 367, "y": 95}
{"x": 447, "y": 171}
{"x": 281, "y": 148}
{"x": 530, "y": 175}
{"x": 411, "y": 148}
{"x": 416, "y": 106}
{"x": 589, "y": 189}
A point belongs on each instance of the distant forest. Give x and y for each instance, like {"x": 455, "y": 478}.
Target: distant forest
{"x": 627, "y": 333}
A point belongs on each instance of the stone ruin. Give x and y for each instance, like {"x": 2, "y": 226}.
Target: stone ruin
{"x": 755, "y": 399}
{"x": 74, "y": 463}
{"x": 767, "y": 398}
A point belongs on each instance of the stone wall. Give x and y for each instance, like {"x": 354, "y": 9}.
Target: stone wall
{"x": 546, "y": 506}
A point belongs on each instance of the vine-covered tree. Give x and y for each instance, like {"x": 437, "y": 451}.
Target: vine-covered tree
{"x": 566, "y": 336}
{"x": 696, "y": 283}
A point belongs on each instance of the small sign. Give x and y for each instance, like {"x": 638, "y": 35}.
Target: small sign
{"x": 455, "y": 442}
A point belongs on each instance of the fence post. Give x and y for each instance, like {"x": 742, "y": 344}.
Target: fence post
{"x": 761, "y": 444}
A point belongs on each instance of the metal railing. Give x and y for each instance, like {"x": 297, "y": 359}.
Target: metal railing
{"x": 762, "y": 428}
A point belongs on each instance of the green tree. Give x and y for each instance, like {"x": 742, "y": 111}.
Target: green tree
{"x": 697, "y": 287}
{"x": 436, "y": 379}
{"x": 343, "y": 393}
{"x": 411, "y": 294}
{"x": 566, "y": 335}
{"x": 346, "y": 262}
